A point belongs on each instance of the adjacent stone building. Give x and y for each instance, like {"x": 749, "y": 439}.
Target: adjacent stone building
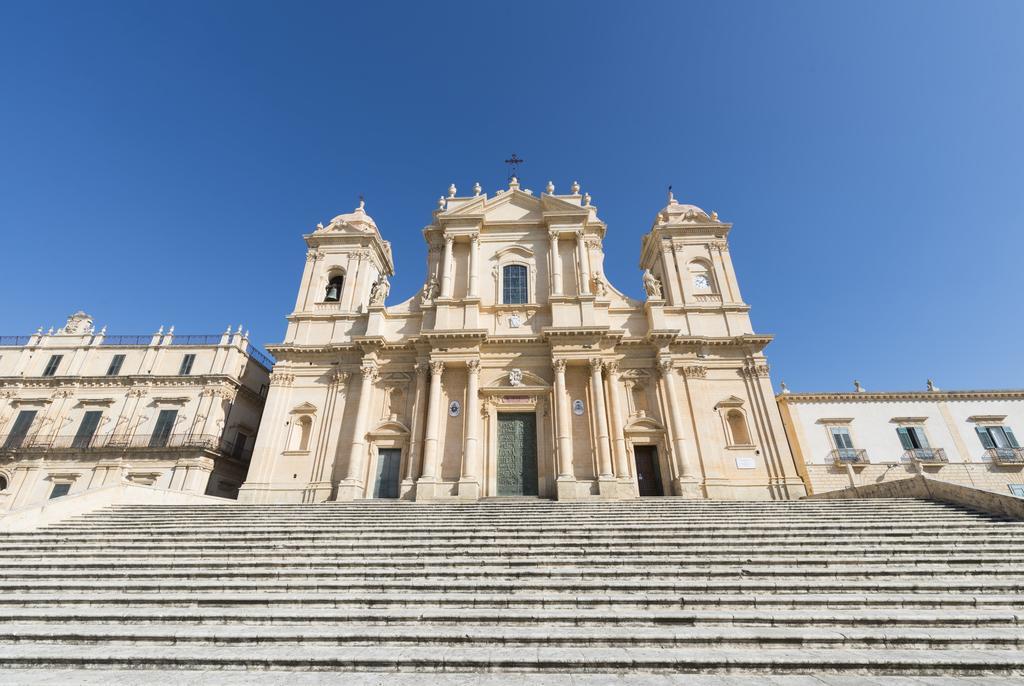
{"x": 80, "y": 409}
{"x": 518, "y": 369}
{"x": 862, "y": 437}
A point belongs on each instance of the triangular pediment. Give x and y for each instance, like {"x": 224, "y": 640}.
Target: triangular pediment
{"x": 513, "y": 206}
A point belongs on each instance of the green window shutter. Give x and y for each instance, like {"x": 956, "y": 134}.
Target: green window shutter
{"x": 986, "y": 441}
{"x": 1010, "y": 437}
{"x": 905, "y": 441}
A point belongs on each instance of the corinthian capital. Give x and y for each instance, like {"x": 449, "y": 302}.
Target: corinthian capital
{"x": 596, "y": 364}
{"x": 612, "y": 367}
{"x": 473, "y": 366}
{"x": 369, "y": 370}
{"x": 436, "y": 367}
{"x": 558, "y": 364}
{"x": 665, "y": 366}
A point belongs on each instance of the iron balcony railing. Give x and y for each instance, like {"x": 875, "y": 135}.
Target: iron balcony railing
{"x": 16, "y": 442}
{"x": 126, "y": 340}
{"x": 191, "y": 339}
{"x": 926, "y": 455}
{"x": 261, "y": 358}
{"x": 1006, "y": 455}
{"x": 14, "y": 340}
{"x": 849, "y": 456}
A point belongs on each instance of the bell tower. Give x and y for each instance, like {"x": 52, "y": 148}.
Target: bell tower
{"x": 344, "y": 261}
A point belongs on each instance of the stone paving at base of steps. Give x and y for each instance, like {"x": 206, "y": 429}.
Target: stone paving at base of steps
{"x": 48, "y": 677}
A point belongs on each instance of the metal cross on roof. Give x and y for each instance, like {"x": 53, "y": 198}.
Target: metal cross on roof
{"x": 513, "y": 166}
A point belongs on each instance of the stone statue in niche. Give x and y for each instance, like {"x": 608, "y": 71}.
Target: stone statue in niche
{"x": 379, "y": 291}
{"x": 515, "y": 377}
{"x": 652, "y": 286}
{"x": 597, "y": 285}
{"x": 430, "y": 289}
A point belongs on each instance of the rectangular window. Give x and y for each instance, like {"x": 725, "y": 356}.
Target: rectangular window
{"x": 843, "y": 442}
{"x": 52, "y": 364}
{"x": 87, "y": 429}
{"x": 115, "y": 365}
{"x": 59, "y": 490}
{"x": 186, "y": 365}
{"x": 514, "y": 284}
{"x": 164, "y": 426}
{"x": 1017, "y": 490}
{"x": 913, "y": 438}
{"x": 20, "y": 429}
{"x": 996, "y": 437}
{"x": 238, "y": 449}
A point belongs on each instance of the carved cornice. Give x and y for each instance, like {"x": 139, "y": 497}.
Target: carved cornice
{"x": 889, "y": 396}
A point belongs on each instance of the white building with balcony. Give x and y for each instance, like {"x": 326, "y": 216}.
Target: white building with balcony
{"x": 861, "y": 437}
{"x": 80, "y": 409}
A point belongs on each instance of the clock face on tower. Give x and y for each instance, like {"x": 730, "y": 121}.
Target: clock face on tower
{"x": 700, "y": 282}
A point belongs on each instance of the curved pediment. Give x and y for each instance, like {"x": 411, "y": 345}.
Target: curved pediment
{"x": 390, "y": 427}
{"x": 515, "y": 250}
{"x": 643, "y": 425}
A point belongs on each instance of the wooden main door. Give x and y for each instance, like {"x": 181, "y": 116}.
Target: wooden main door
{"x": 389, "y": 461}
{"x": 648, "y": 474}
{"x": 517, "y": 453}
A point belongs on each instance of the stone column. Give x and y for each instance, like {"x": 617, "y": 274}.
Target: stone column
{"x": 581, "y": 256}
{"x": 412, "y": 470}
{"x": 556, "y": 265}
{"x": 306, "y": 294}
{"x": 615, "y": 415}
{"x": 671, "y": 288}
{"x": 327, "y": 445}
{"x": 566, "y": 476}
{"x": 604, "y": 459}
{"x": 688, "y": 482}
{"x": 469, "y": 486}
{"x": 446, "y": 274}
{"x": 474, "y": 264}
{"x": 352, "y": 487}
{"x": 430, "y": 447}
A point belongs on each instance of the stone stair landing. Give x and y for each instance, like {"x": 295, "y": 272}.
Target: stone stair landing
{"x": 656, "y": 589}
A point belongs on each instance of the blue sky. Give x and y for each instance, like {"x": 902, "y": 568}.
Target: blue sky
{"x": 160, "y": 161}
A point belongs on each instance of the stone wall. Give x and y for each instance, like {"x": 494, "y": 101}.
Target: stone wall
{"x": 919, "y": 486}
{"x": 986, "y": 476}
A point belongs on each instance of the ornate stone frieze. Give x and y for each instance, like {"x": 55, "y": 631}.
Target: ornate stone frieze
{"x": 695, "y": 371}
{"x": 753, "y": 370}
{"x": 281, "y": 379}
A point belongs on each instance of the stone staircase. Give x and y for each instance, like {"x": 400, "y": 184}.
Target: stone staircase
{"x": 658, "y": 586}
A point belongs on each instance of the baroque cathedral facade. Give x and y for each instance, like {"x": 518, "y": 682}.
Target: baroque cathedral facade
{"x": 518, "y": 369}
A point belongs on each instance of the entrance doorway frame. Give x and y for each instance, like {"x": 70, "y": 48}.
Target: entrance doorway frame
{"x": 647, "y": 431}
{"x": 534, "y": 398}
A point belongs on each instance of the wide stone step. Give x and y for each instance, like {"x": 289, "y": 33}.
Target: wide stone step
{"x": 510, "y": 659}
{"x": 449, "y": 636}
{"x": 950, "y": 601}
{"x": 503, "y": 617}
{"x": 165, "y": 677}
{"x": 302, "y": 584}
{"x": 287, "y": 569}
{"x": 502, "y": 538}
